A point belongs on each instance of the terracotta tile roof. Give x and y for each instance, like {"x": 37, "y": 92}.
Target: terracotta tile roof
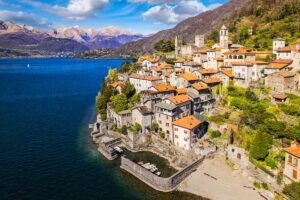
{"x": 203, "y": 51}
{"x": 289, "y": 48}
{"x": 227, "y": 72}
{"x": 180, "y": 60}
{"x": 200, "y": 86}
{"x": 116, "y": 84}
{"x": 179, "y": 70}
{"x": 189, "y": 122}
{"x": 153, "y": 60}
{"x": 276, "y": 66}
{"x": 181, "y": 91}
{"x": 149, "y": 58}
{"x": 179, "y": 99}
{"x": 208, "y": 71}
{"x": 283, "y": 61}
{"x": 165, "y": 66}
{"x": 164, "y": 88}
{"x": 260, "y": 62}
{"x": 219, "y": 59}
{"x": 166, "y": 74}
{"x": 211, "y": 80}
{"x": 280, "y": 96}
{"x": 239, "y": 51}
{"x": 157, "y": 69}
{"x": 188, "y": 76}
{"x": 218, "y": 49}
{"x": 145, "y": 77}
{"x": 262, "y": 52}
{"x": 286, "y": 74}
{"x": 242, "y": 63}
{"x": 293, "y": 150}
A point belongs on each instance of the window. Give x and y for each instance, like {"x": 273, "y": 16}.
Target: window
{"x": 295, "y": 174}
{"x": 290, "y": 159}
{"x": 186, "y": 132}
{"x": 176, "y": 136}
{"x": 159, "y": 122}
{"x": 186, "y": 139}
{"x": 187, "y": 107}
{"x": 167, "y": 124}
{"x": 295, "y": 162}
{"x": 176, "y": 129}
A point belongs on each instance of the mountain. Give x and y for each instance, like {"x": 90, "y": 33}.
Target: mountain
{"x": 267, "y": 19}
{"x": 26, "y": 40}
{"x": 109, "y": 37}
{"x": 200, "y": 24}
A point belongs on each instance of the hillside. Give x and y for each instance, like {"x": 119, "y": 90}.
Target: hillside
{"x": 267, "y": 19}
{"x": 200, "y": 24}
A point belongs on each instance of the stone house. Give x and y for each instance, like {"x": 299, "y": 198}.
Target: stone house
{"x": 282, "y": 82}
{"x": 118, "y": 86}
{"x": 178, "y": 63}
{"x": 186, "y": 130}
{"x": 277, "y": 66}
{"x": 292, "y": 163}
{"x": 211, "y": 82}
{"x": 143, "y": 116}
{"x": 238, "y": 55}
{"x": 123, "y": 118}
{"x": 200, "y": 56}
{"x": 186, "y": 80}
{"x": 205, "y": 73}
{"x": 169, "y": 110}
{"x": 291, "y": 52}
{"x": 174, "y": 75}
{"x": 143, "y": 82}
{"x": 190, "y": 67}
{"x": 149, "y": 62}
{"x": 225, "y": 75}
{"x": 166, "y": 77}
{"x": 278, "y": 98}
{"x": 246, "y": 72}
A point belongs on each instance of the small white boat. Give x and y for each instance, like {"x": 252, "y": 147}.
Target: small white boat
{"x": 118, "y": 149}
{"x": 28, "y": 66}
{"x": 147, "y": 166}
{"x": 158, "y": 173}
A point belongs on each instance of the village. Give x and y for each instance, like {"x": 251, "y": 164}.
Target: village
{"x": 226, "y": 102}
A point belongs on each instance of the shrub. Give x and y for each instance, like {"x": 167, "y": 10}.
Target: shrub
{"x": 124, "y": 130}
{"x": 259, "y": 148}
{"x": 215, "y": 134}
{"x": 226, "y": 115}
{"x": 136, "y": 127}
{"x": 256, "y": 184}
{"x": 292, "y": 191}
{"x": 162, "y": 134}
{"x": 154, "y": 127}
{"x": 265, "y": 186}
{"x": 270, "y": 162}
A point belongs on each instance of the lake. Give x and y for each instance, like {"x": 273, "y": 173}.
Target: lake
{"x": 45, "y": 148}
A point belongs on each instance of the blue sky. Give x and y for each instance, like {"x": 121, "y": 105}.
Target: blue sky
{"x": 140, "y": 16}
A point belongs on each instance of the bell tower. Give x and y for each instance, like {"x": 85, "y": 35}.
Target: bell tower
{"x": 224, "y": 39}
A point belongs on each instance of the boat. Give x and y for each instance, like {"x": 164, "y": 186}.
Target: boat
{"x": 28, "y": 66}
{"x": 118, "y": 149}
{"x": 147, "y": 166}
{"x": 158, "y": 173}
{"x": 141, "y": 163}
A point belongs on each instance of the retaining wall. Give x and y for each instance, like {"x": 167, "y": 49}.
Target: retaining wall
{"x": 156, "y": 182}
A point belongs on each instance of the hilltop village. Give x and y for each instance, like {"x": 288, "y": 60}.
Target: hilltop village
{"x": 199, "y": 101}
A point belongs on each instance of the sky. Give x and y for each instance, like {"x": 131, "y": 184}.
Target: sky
{"x": 138, "y": 16}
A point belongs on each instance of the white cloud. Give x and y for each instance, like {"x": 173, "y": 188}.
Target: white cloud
{"x": 154, "y": 1}
{"x": 25, "y": 18}
{"x": 76, "y": 10}
{"x": 172, "y": 14}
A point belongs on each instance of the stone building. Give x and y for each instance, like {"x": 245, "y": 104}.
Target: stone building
{"x": 224, "y": 38}
{"x": 143, "y": 82}
{"x": 282, "y": 82}
{"x": 182, "y": 50}
{"x": 143, "y": 116}
{"x": 186, "y": 130}
{"x": 169, "y": 110}
{"x": 123, "y": 118}
{"x": 186, "y": 80}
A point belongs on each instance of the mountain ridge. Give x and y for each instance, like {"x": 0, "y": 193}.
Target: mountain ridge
{"x": 200, "y": 24}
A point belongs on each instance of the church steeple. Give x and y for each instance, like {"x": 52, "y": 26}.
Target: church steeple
{"x": 224, "y": 39}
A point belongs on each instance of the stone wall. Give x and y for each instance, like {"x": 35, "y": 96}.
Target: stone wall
{"x": 156, "y": 182}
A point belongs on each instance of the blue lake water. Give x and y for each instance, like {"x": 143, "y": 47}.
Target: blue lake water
{"x": 45, "y": 150}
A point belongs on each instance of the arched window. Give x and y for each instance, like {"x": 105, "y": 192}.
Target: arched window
{"x": 230, "y": 57}
{"x": 234, "y": 57}
{"x": 240, "y": 57}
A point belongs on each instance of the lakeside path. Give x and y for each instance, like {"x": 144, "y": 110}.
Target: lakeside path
{"x": 228, "y": 186}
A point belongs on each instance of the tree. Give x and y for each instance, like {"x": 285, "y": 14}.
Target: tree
{"x": 250, "y": 95}
{"x": 119, "y": 102}
{"x": 124, "y": 130}
{"x": 259, "y": 148}
{"x": 125, "y": 67}
{"x": 292, "y": 191}
{"x": 136, "y": 127}
{"x": 154, "y": 127}
{"x": 112, "y": 75}
{"x": 165, "y": 46}
{"x": 128, "y": 89}
{"x": 209, "y": 43}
